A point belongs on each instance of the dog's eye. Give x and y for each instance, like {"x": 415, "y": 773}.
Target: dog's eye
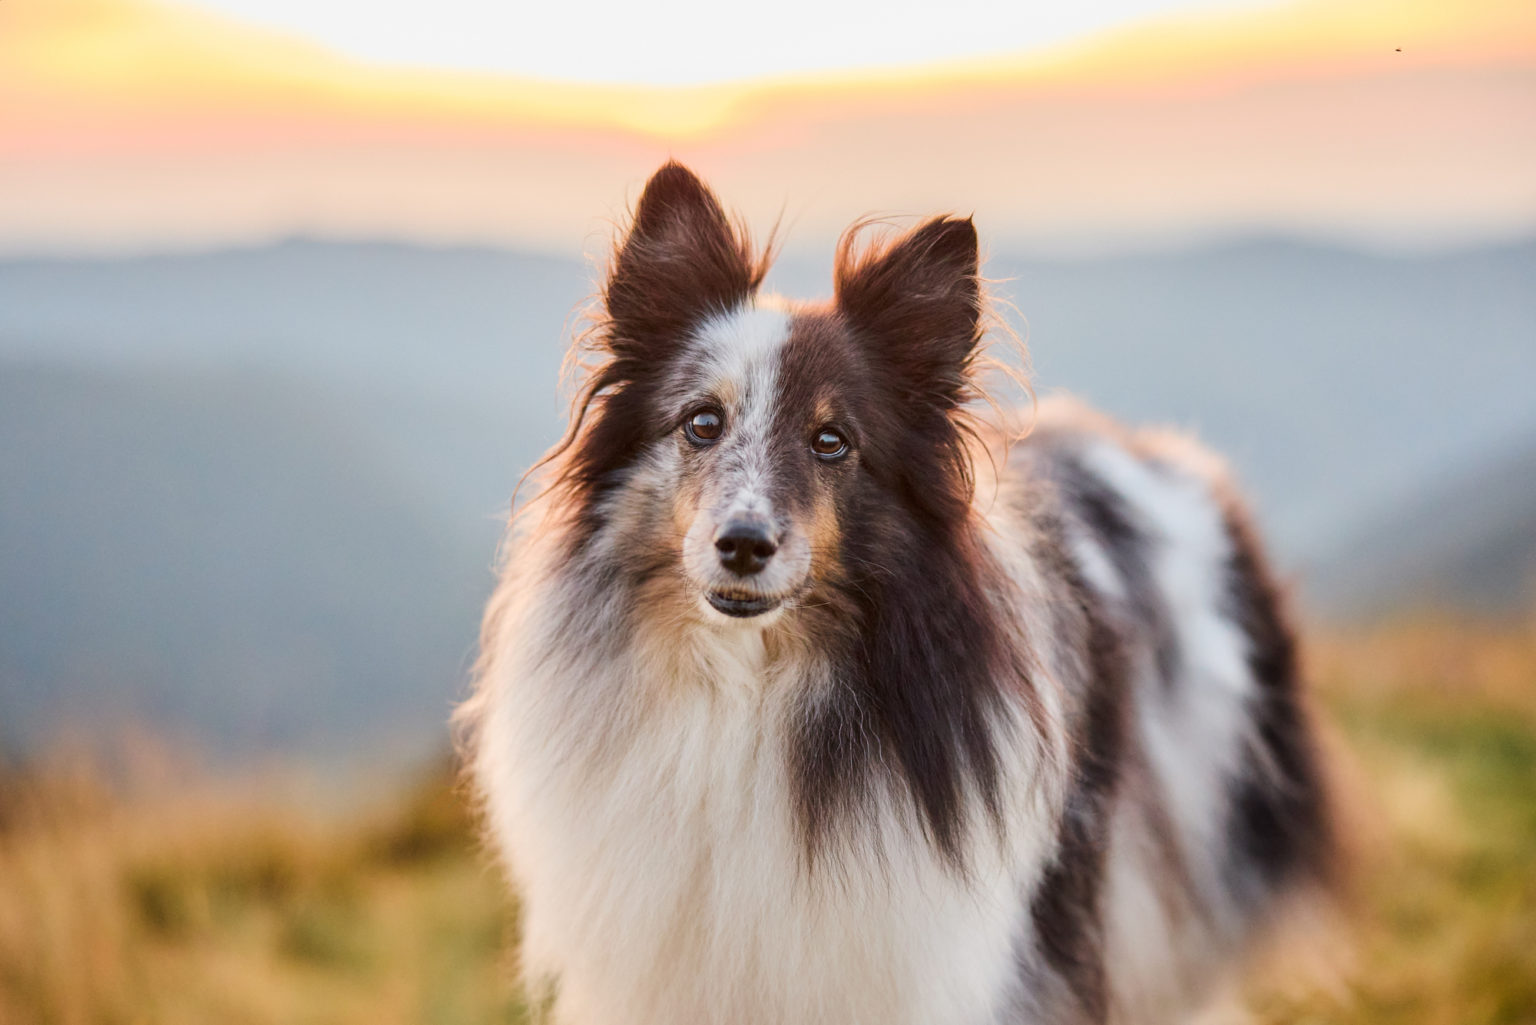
{"x": 829, "y": 445}
{"x": 704, "y": 427}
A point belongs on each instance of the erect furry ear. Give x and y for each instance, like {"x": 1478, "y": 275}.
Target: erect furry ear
{"x": 681, "y": 262}
{"x": 916, "y": 303}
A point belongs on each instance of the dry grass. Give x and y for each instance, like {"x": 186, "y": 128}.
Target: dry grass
{"x": 1438, "y": 725}
{"x": 225, "y": 910}
{"x": 217, "y": 908}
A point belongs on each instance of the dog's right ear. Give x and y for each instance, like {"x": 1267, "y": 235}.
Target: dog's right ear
{"x": 682, "y": 262}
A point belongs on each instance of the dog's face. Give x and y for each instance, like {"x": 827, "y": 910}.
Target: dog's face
{"x": 760, "y": 464}
{"x": 758, "y": 458}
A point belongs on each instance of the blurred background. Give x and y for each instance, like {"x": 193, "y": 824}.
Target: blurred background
{"x": 284, "y": 293}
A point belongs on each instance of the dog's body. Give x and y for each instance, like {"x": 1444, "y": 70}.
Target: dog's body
{"x": 796, "y": 706}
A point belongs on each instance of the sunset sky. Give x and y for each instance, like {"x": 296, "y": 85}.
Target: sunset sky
{"x": 692, "y": 42}
{"x": 129, "y": 124}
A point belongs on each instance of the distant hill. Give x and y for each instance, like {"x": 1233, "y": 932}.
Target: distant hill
{"x": 254, "y": 494}
{"x": 1467, "y": 542}
{"x": 230, "y": 560}
{"x": 405, "y": 319}
{"x": 1331, "y": 379}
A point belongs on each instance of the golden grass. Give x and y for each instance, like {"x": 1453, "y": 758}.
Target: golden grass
{"x": 1437, "y": 720}
{"x": 194, "y": 908}
{"x": 229, "y": 911}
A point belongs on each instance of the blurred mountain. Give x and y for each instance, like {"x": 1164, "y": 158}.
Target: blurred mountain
{"x": 234, "y": 561}
{"x": 417, "y": 321}
{"x": 253, "y": 495}
{"x": 1466, "y": 541}
{"x": 1331, "y": 379}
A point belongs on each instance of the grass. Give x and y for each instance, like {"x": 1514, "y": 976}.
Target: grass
{"x": 224, "y": 910}
{"x": 1438, "y": 721}
{"x": 214, "y": 907}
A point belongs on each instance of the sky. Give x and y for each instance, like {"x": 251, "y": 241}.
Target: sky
{"x": 131, "y": 125}
{"x": 693, "y": 42}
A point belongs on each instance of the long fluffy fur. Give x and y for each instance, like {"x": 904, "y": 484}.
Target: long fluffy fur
{"x": 1034, "y": 757}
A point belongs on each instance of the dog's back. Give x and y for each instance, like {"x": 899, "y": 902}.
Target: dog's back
{"x": 1196, "y": 812}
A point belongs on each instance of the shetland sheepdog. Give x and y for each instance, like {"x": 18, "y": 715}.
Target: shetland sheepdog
{"x": 807, "y": 697}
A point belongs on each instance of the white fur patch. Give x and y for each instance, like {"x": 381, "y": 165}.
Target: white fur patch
{"x": 739, "y": 355}
{"x": 744, "y": 341}
{"x": 645, "y": 808}
{"x": 1195, "y": 732}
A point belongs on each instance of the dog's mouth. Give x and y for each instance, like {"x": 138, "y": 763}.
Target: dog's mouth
{"x": 739, "y": 605}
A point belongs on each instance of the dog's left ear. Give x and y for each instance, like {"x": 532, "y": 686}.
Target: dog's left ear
{"x": 916, "y": 304}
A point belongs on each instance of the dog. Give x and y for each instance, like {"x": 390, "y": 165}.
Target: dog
{"x": 806, "y": 696}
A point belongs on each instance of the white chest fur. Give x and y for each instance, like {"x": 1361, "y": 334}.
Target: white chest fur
{"x": 645, "y": 810}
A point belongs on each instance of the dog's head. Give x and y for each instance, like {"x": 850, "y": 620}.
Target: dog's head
{"x": 752, "y": 458}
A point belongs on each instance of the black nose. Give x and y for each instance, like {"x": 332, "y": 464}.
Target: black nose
{"x": 745, "y": 546}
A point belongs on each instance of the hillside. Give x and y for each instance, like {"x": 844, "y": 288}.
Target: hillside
{"x": 403, "y": 319}
{"x": 1467, "y": 542}
{"x": 232, "y": 562}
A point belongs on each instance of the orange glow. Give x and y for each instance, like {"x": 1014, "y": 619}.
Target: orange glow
{"x": 125, "y": 118}
{"x": 128, "y": 54}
